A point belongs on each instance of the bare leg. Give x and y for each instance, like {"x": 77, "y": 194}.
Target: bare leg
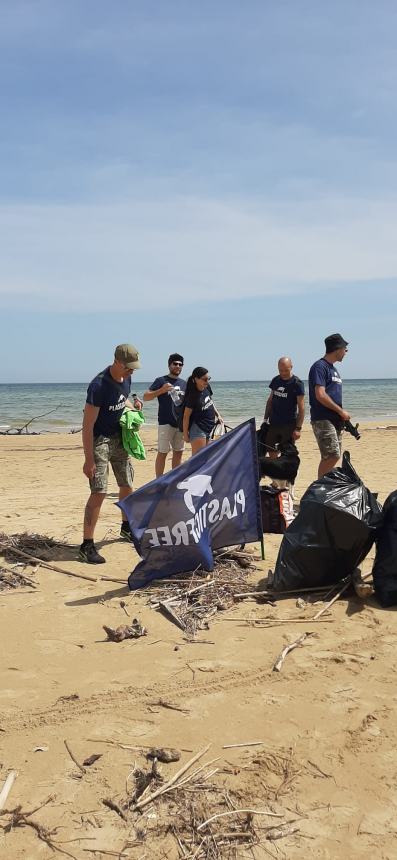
{"x": 197, "y": 444}
{"x": 176, "y": 458}
{"x": 123, "y": 493}
{"x": 91, "y": 514}
{"x": 160, "y": 464}
{"x": 326, "y": 465}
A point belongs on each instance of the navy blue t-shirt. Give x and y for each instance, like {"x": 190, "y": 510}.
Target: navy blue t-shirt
{"x": 110, "y": 396}
{"x": 166, "y": 412}
{"x": 324, "y": 373}
{"x": 203, "y": 410}
{"x": 284, "y": 406}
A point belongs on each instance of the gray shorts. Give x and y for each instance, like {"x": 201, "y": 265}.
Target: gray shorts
{"x": 169, "y": 439}
{"x": 110, "y": 450}
{"x": 329, "y": 439}
{"x": 195, "y": 432}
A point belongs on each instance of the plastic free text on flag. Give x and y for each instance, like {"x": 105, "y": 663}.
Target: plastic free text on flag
{"x": 209, "y": 502}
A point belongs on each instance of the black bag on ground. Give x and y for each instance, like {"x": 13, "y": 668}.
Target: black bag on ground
{"x": 384, "y": 570}
{"x": 277, "y": 510}
{"x": 334, "y": 530}
{"x": 261, "y": 436}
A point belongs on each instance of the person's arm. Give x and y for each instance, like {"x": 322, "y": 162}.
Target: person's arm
{"x": 268, "y": 407}
{"x": 327, "y": 401}
{"x": 89, "y": 418}
{"x": 300, "y": 417}
{"x": 164, "y": 389}
{"x": 186, "y": 418}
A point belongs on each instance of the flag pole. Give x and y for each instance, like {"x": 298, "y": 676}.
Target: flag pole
{"x": 262, "y": 548}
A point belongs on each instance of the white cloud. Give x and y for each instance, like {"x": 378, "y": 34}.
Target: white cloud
{"x": 149, "y": 253}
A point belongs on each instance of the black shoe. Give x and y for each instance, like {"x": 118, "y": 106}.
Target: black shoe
{"x": 125, "y": 531}
{"x": 89, "y": 553}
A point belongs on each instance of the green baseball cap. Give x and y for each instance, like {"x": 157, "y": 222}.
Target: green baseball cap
{"x": 128, "y": 355}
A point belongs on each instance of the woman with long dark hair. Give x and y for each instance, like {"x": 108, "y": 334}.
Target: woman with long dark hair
{"x": 199, "y": 413}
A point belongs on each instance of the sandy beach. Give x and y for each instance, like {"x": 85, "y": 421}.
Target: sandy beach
{"x": 330, "y": 712}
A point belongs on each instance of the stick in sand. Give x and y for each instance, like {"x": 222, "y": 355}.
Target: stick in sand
{"x": 240, "y": 812}
{"x": 248, "y": 744}
{"x": 172, "y": 781}
{"x": 74, "y": 759}
{"x": 7, "y": 787}
{"x": 280, "y": 659}
{"x": 47, "y": 564}
{"x": 334, "y": 599}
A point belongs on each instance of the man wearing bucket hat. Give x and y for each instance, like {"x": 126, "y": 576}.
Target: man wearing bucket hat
{"x": 107, "y": 395}
{"x": 325, "y": 396}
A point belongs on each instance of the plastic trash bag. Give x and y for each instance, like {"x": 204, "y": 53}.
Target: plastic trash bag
{"x": 384, "y": 570}
{"x": 334, "y": 530}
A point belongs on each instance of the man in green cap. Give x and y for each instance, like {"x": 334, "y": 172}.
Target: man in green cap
{"x": 107, "y": 395}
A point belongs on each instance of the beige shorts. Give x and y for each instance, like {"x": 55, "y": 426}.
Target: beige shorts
{"x": 110, "y": 450}
{"x": 329, "y": 439}
{"x": 169, "y": 439}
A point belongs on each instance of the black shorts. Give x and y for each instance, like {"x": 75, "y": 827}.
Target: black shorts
{"x": 279, "y": 434}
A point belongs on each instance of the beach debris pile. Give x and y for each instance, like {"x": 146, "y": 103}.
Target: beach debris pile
{"x": 39, "y": 546}
{"x": 191, "y": 603}
{"x": 207, "y": 816}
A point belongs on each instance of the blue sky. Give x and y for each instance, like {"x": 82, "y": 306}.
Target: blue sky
{"x": 217, "y": 178}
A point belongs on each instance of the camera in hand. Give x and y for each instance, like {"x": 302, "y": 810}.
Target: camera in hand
{"x": 352, "y": 429}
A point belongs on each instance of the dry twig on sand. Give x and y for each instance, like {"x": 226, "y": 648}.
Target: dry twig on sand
{"x": 296, "y": 644}
{"x": 19, "y": 818}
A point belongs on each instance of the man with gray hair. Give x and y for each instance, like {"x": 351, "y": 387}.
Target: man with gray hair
{"x": 285, "y": 407}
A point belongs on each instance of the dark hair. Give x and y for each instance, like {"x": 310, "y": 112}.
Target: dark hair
{"x": 175, "y": 357}
{"x": 191, "y": 389}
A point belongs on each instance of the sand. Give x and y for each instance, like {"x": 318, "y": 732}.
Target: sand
{"x": 333, "y": 705}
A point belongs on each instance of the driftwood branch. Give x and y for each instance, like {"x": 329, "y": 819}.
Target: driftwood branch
{"x": 280, "y": 659}
{"x": 17, "y": 431}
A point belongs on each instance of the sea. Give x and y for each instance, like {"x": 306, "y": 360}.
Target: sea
{"x": 58, "y": 407}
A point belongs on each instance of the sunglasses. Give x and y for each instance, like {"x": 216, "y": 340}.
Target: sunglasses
{"x": 177, "y": 363}
{"x": 205, "y": 378}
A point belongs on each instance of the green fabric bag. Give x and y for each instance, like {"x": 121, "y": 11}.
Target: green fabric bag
{"x": 130, "y": 422}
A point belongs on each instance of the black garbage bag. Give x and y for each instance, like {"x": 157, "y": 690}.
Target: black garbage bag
{"x": 384, "y": 570}
{"x": 334, "y": 530}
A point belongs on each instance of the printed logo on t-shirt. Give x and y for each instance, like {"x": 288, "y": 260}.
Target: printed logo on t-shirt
{"x": 207, "y": 402}
{"x": 336, "y": 378}
{"x": 117, "y": 406}
{"x": 280, "y": 391}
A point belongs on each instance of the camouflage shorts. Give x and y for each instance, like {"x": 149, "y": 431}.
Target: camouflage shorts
{"x": 329, "y": 439}
{"x": 110, "y": 450}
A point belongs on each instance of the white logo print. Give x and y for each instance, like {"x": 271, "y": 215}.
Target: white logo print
{"x": 196, "y": 485}
{"x": 281, "y": 388}
{"x": 121, "y": 397}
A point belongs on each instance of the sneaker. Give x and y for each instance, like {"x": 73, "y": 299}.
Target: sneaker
{"x": 125, "y": 531}
{"x": 89, "y": 553}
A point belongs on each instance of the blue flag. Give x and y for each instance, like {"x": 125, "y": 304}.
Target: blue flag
{"x": 211, "y": 501}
